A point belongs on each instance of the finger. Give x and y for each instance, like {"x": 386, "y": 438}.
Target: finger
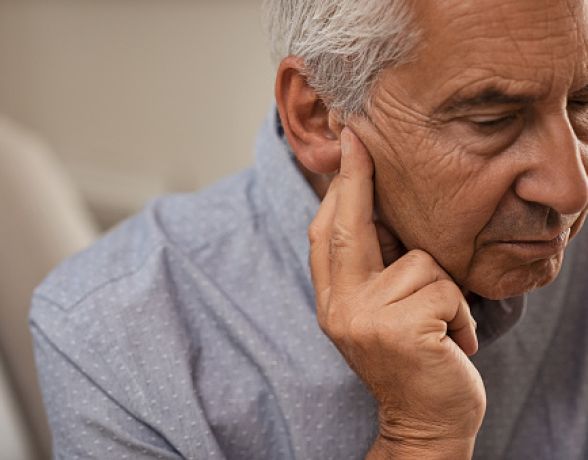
{"x": 392, "y": 248}
{"x": 409, "y": 274}
{"x": 355, "y": 250}
{"x": 465, "y": 334}
{"x": 319, "y": 235}
{"x": 444, "y": 301}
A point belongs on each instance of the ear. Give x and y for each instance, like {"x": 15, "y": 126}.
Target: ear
{"x": 312, "y": 130}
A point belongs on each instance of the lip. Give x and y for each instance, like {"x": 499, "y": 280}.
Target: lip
{"x": 539, "y": 248}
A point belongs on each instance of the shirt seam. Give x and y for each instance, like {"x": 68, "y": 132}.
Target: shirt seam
{"x": 90, "y": 292}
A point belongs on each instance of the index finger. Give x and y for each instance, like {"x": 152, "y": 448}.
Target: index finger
{"x": 319, "y": 233}
{"x": 355, "y": 249}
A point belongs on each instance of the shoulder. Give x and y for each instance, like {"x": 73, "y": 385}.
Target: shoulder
{"x": 136, "y": 266}
{"x": 125, "y": 322}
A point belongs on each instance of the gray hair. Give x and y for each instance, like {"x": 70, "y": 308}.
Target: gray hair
{"x": 344, "y": 44}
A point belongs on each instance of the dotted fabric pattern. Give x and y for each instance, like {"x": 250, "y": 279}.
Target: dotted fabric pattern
{"x": 190, "y": 332}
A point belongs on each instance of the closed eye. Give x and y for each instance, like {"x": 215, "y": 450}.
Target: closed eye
{"x": 494, "y": 121}
{"x": 489, "y": 124}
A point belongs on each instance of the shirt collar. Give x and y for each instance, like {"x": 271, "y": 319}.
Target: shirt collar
{"x": 294, "y": 205}
{"x": 496, "y": 317}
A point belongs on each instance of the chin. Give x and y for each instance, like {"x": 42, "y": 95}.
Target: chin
{"x": 515, "y": 282}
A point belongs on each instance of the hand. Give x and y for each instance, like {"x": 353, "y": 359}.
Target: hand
{"x": 405, "y": 329}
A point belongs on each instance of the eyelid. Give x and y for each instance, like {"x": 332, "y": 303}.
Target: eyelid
{"x": 494, "y": 118}
{"x": 490, "y": 118}
{"x": 488, "y": 125}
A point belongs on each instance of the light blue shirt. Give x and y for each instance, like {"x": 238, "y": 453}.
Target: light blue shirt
{"x": 189, "y": 331}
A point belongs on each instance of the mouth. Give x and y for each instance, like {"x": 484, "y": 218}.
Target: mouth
{"x": 537, "y": 249}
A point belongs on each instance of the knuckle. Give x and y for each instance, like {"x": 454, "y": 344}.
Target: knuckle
{"x": 345, "y": 175}
{"x": 420, "y": 258}
{"x": 340, "y": 239}
{"x": 322, "y": 322}
{"x": 315, "y": 233}
{"x": 331, "y": 325}
{"x": 335, "y": 331}
{"x": 446, "y": 291}
{"x": 341, "y": 235}
{"x": 361, "y": 330}
{"x": 447, "y": 287}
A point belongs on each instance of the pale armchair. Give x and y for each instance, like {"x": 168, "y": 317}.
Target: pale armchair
{"x": 42, "y": 221}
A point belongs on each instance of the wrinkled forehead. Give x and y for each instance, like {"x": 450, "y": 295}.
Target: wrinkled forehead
{"x": 540, "y": 43}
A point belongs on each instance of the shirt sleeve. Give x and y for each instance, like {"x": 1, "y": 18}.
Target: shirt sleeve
{"x": 86, "y": 422}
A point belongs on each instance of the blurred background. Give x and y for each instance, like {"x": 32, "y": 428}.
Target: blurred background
{"x": 105, "y": 104}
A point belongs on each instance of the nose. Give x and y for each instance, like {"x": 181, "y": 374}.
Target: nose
{"x": 555, "y": 174}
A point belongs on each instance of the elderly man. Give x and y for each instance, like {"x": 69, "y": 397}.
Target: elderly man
{"x": 447, "y": 143}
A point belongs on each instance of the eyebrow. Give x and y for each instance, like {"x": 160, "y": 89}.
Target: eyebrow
{"x": 488, "y": 96}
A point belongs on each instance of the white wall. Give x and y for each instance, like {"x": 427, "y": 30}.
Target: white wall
{"x": 137, "y": 96}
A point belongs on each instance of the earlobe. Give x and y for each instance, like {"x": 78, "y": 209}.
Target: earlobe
{"x": 309, "y": 126}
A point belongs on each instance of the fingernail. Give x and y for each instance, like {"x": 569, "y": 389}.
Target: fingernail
{"x": 345, "y": 140}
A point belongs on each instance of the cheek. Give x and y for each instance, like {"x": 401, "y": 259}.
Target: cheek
{"x": 436, "y": 198}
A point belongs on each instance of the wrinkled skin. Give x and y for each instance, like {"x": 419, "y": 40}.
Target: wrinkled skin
{"x": 477, "y": 193}
{"x": 460, "y": 181}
